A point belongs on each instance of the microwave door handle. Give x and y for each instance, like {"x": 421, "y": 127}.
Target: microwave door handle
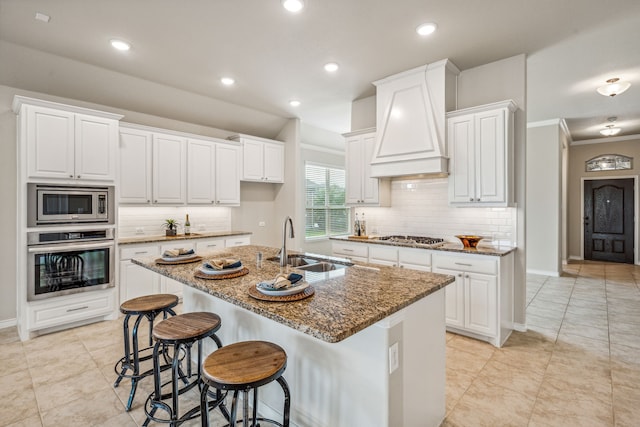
{"x": 70, "y": 247}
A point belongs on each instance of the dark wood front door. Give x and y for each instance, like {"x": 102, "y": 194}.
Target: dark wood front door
{"x": 608, "y": 220}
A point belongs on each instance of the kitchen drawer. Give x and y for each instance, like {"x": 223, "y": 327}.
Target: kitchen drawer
{"x": 70, "y": 309}
{"x": 209, "y": 245}
{"x": 471, "y": 264}
{"x": 350, "y": 249}
{"x": 413, "y": 256}
{"x": 128, "y": 252}
{"x": 387, "y": 255}
{"x": 182, "y": 244}
{"x": 237, "y": 241}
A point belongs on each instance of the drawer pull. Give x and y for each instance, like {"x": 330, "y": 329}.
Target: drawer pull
{"x": 141, "y": 252}
{"x": 462, "y": 263}
{"x": 212, "y": 245}
{"x": 84, "y": 307}
{"x": 348, "y": 250}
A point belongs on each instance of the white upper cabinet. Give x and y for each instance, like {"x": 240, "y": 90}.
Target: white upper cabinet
{"x": 169, "y": 169}
{"x": 481, "y": 149}
{"x": 65, "y": 142}
{"x": 213, "y": 175}
{"x": 410, "y": 120}
{"x": 361, "y": 189}
{"x": 262, "y": 159}
{"x": 135, "y": 166}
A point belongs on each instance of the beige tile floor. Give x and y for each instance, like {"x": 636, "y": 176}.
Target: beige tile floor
{"x": 578, "y": 364}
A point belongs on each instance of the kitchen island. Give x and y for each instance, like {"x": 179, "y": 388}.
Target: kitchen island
{"x": 368, "y": 348}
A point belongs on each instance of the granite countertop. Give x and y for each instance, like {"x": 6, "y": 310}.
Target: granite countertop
{"x": 345, "y": 302}
{"x": 482, "y": 249}
{"x": 160, "y": 238}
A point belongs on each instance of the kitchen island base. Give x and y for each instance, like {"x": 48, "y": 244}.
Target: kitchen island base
{"x": 389, "y": 374}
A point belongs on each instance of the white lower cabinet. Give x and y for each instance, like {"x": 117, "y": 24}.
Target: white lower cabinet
{"x": 383, "y": 255}
{"x": 354, "y": 251}
{"x": 69, "y": 309}
{"x": 480, "y": 302}
{"x": 136, "y": 281}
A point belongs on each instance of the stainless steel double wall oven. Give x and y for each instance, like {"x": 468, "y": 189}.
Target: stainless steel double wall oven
{"x": 71, "y": 239}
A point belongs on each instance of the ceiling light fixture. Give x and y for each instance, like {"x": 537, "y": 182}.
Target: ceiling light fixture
{"x": 293, "y": 6}
{"x": 42, "y": 17}
{"x": 294, "y": 103}
{"x": 611, "y": 130}
{"x": 120, "y": 45}
{"x": 331, "y": 67}
{"x": 227, "y": 81}
{"x": 613, "y": 87}
{"x": 426, "y": 29}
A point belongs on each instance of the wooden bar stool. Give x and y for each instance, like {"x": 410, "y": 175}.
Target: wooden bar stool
{"x": 181, "y": 332}
{"x": 242, "y": 367}
{"x": 148, "y": 307}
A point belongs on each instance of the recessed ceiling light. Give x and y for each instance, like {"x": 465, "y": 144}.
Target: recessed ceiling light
{"x": 227, "y": 81}
{"x": 426, "y": 29}
{"x": 293, "y": 6}
{"x": 120, "y": 44}
{"x": 613, "y": 87}
{"x": 331, "y": 67}
{"x": 294, "y": 103}
{"x": 42, "y": 17}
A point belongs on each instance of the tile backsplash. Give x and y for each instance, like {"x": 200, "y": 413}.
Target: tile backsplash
{"x": 137, "y": 221}
{"x": 420, "y": 207}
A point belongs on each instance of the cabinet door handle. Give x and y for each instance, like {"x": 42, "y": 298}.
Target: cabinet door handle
{"x": 84, "y": 307}
{"x": 459, "y": 274}
{"x": 462, "y": 263}
{"x": 70, "y": 176}
{"x": 148, "y": 201}
{"x": 78, "y": 176}
{"x": 471, "y": 199}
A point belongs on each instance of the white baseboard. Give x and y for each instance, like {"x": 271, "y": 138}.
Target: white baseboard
{"x": 8, "y": 323}
{"x": 543, "y": 272}
{"x": 575, "y": 258}
{"x": 520, "y": 327}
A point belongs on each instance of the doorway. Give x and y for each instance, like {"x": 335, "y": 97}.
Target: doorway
{"x": 609, "y": 220}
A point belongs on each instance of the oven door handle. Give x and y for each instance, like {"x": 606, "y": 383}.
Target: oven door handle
{"x": 71, "y": 247}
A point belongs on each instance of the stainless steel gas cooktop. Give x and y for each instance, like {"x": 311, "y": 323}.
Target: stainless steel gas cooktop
{"x": 431, "y": 242}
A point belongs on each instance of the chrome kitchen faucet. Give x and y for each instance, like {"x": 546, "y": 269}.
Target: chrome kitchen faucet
{"x": 283, "y": 251}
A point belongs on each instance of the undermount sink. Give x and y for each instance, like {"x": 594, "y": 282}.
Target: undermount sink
{"x": 321, "y": 267}
{"x": 295, "y": 260}
{"x": 306, "y": 263}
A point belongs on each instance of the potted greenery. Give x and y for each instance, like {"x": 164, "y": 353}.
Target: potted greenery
{"x": 171, "y": 226}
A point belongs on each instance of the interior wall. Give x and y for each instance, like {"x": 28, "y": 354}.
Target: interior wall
{"x": 323, "y": 147}
{"x": 497, "y": 81}
{"x": 8, "y": 189}
{"x": 363, "y": 113}
{"x": 578, "y": 155}
{"x": 288, "y": 197}
{"x": 544, "y": 199}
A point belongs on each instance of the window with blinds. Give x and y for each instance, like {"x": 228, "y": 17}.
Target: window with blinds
{"x": 326, "y": 214}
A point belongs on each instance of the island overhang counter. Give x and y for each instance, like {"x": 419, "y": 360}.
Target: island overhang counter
{"x": 368, "y": 348}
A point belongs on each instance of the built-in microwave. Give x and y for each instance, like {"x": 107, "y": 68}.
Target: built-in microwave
{"x": 65, "y": 204}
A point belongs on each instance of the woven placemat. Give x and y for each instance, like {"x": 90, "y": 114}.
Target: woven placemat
{"x": 200, "y": 275}
{"x": 182, "y": 261}
{"x": 254, "y": 293}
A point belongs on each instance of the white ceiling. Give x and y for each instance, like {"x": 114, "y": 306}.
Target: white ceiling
{"x": 572, "y": 46}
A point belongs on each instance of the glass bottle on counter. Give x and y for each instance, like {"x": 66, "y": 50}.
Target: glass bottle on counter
{"x": 187, "y": 226}
{"x": 356, "y": 227}
{"x": 363, "y": 226}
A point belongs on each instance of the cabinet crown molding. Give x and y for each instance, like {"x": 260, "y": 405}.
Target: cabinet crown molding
{"x": 19, "y": 101}
{"x": 508, "y": 104}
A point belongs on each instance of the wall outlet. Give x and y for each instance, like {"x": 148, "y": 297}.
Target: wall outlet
{"x": 394, "y": 358}
{"x": 262, "y": 224}
{"x": 139, "y": 230}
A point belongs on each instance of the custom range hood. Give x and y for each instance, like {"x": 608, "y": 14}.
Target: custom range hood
{"x": 410, "y": 120}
